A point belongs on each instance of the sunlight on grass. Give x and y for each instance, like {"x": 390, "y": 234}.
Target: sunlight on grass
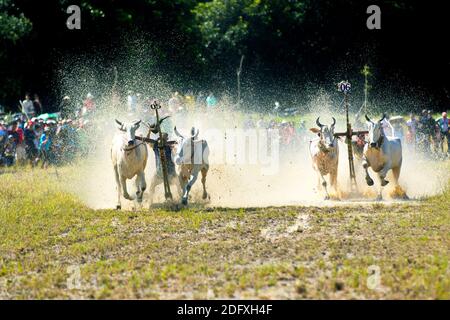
{"x": 220, "y": 253}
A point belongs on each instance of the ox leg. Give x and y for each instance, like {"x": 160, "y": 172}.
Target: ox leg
{"x": 153, "y": 184}
{"x": 396, "y": 173}
{"x": 319, "y": 186}
{"x": 324, "y": 185}
{"x": 333, "y": 180}
{"x": 204, "y": 173}
{"x": 140, "y": 186}
{"x": 116, "y": 174}
{"x": 182, "y": 180}
{"x": 189, "y": 185}
{"x": 382, "y": 176}
{"x": 380, "y": 192}
{"x": 123, "y": 182}
{"x": 177, "y": 182}
{"x": 369, "y": 180}
{"x": 383, "y": 182}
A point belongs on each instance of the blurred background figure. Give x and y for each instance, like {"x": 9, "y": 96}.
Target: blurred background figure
{"x": 88, "y": 105}
{"x": 411, "y": 134}
{"x": 200, "y": 101}
{"x": 174, "y": 102}
{"x": 443, "y": 126}
{"x": 9, "y": 152}
{"x": 28, "y": 107}
{"x": 276, "y": 109}
{"x": 37, "y": 105}
{"x": 131, "y": 102}
{"x": 45, "y": 143}
{"x": 211, "y": 101}
{"x": 29, "y": 140}
{"x": 189, "y": 101}
{"x": 66, "y": 107}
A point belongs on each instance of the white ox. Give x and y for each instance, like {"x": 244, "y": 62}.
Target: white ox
{"x": 382, "y": 154}
{"x": 325, "y": 155}
{"x": 129, "y": 159}
{"x": 192, "y": 157}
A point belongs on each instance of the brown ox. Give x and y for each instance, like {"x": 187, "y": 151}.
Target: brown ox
{"x": 324, "y": 153}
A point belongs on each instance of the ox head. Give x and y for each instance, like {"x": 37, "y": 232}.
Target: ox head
{"x": 326, "y": 133}
{"x": 130, "y": 130}
{"x": 375, "y": 132}
{"x": 185, "y": 148}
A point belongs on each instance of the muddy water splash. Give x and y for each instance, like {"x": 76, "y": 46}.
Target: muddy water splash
{"x": 245, "y": 185}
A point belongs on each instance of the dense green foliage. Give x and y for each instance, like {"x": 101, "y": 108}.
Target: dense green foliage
{"x": 286, "y": 44}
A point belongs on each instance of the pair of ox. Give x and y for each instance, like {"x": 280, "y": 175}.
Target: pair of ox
{"x": 381, "y": 153}
{"x": 129, "y": 158}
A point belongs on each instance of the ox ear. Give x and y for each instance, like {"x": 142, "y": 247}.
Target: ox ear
{"x": 120, "y": 125}
{"x": 315, "y": 130}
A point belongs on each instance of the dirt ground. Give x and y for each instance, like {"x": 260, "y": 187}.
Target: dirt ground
{"x": 55, "y": 246}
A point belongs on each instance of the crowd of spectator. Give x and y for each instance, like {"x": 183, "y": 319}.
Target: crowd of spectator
{"x": 38, "y": 138}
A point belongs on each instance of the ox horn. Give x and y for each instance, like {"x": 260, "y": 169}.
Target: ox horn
{"x": 368, "y": 119}
{"x": 334, "y": 122}
{"x": 318, "y": 123}
{"x": 194, "y": 133}
{"x": 120, "y": 127}
{"x": 177, "y": 133}
{"x": 384, "y": 117}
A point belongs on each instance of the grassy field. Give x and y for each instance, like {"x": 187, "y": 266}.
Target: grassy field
{"x": 52, "y": 246}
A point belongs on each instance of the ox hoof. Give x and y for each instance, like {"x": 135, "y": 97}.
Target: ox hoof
{"x": 384, "y": 182}
{"x": 118, "y": 207}
{"x": 205, "y": 195}
{"x": 184, "y": 201}
{"x": 327, "y": 197}
{"x": 379, "y": 198}
{"x": 369, "y": 182}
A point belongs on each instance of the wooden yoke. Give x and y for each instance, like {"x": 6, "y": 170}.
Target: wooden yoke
{"x": 156, "y": 106}
{"x": 152, "y": 141}
{"x": 353, "y": 133}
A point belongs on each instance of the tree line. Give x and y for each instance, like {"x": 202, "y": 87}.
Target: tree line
{"x": 286, "y": 44}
